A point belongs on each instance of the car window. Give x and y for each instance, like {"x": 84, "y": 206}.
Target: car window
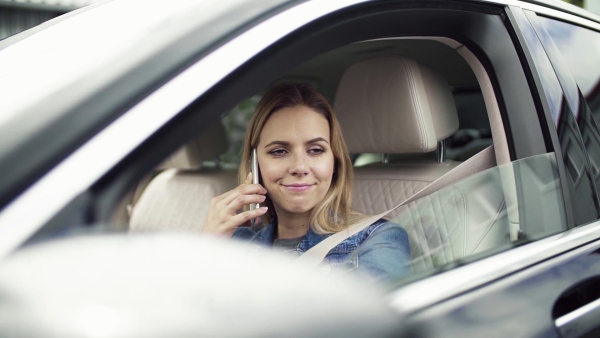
{"x": 571, "y": 127}
{"x": 235, "y": 123}
{"x": 574, "y": 51}
{"x": 471, "y": 219}
{"x": 483, "y": 214}
{"x": 488, "y": 212}
{"x": 580, "y": 49}
{"x": 542, "y": 183}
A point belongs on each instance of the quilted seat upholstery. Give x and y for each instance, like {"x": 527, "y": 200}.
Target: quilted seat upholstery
{"x": 395, "y": 106}
{"x": 178, "y": 198}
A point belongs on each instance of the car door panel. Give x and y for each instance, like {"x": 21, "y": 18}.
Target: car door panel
{"x": 519, "y": 305}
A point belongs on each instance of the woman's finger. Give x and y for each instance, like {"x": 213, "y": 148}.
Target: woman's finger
{"x": 226, "y": 196}
{"x": 240, "y": 201}
{"x": 243, "y": 189}
{"x": 246, "y": 216}
{"x": 222, "y": 217}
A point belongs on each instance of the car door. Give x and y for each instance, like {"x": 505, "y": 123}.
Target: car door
{"x": 505, "y": 290}
{"x": 557, "y": 295}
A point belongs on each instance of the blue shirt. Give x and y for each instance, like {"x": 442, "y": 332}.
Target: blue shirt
{"x": 381, "y": 250}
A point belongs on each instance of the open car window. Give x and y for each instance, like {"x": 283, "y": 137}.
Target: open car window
{"x": 486, "y": 213}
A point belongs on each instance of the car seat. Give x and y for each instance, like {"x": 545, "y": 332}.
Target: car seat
{"x": 394, "y": 106}
{"x": 179, "y": 197}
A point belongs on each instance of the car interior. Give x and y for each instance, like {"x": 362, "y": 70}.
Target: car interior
{"x": 411, "y": 110}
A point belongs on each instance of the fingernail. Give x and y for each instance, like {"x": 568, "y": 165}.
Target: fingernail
{"x": 264, "y": 208}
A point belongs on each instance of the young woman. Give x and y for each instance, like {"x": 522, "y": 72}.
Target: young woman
{"x": 305, "y": 188}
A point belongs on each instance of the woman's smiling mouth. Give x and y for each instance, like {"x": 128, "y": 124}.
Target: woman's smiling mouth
{"x": 298, "y": 187}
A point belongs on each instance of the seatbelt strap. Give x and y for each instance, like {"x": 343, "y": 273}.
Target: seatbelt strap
{"x": 483, "y": 160}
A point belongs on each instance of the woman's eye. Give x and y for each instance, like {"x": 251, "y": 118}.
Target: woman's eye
{"x": 316, "y": 151}
{"x": 277, "y": 152}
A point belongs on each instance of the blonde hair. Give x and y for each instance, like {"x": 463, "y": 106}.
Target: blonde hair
{"x": 334, "y": 213}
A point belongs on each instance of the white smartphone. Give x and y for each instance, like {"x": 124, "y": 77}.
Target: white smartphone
{"x": 255, "y": 174}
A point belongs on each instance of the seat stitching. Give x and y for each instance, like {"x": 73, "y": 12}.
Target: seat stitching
{"x": 443, "y": 225}
{"x": 416, "y": 102}
{"x": 445, "y": 206}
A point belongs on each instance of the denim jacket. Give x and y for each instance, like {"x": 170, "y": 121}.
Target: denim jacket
{"x": 381, "y": 250}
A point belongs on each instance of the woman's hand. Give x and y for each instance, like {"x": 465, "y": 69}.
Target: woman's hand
{"x": 222, "y": 217}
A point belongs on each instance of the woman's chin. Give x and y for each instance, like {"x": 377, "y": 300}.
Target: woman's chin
{"x": 298, "y": 208}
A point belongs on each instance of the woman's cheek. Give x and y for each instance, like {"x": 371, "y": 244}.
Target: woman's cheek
{"x": 270, "y": 172}
{"x": 324, "y": 169}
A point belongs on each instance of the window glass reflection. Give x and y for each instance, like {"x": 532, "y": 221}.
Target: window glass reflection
{"x": 572, "y": 50}
{"x": 471, "y": 218}
{"x": 580, "y": 48}
{"x": 551, "y": 86}
{"x": 579, "y": 174}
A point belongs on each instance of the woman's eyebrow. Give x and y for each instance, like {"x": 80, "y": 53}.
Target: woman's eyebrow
{"x": 285, "y": 143}
{"x": 317, "y": 139}
{"x": 282, "y": 143}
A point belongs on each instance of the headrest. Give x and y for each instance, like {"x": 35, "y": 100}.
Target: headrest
{"x": 394, "y": 105}
{"x": 211, "y": 144}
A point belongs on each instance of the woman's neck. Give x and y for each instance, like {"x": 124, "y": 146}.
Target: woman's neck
{"x": 292, "y": 225}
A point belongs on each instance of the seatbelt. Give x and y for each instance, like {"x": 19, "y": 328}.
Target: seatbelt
{"x": 483, "y": 160}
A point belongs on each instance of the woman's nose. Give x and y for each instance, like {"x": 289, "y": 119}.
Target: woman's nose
{"x": 299, "y": 166}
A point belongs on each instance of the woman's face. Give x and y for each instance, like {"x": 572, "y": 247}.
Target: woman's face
{"x": 295, "y": 158}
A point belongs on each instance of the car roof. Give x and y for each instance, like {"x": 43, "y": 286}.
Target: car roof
{"x": 106, "y": 36}
{"x": 76, "y": 74}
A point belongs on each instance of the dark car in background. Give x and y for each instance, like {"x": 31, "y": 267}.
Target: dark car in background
{"x": 120, "y": 121}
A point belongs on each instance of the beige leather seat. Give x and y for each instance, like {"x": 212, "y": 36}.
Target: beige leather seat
{"x": 178, "y": 198}
{"x": 394, "y": 106}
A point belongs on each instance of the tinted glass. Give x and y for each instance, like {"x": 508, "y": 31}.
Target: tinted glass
{"x": 574, "y": 52}
{"x": 578, "y": 171}
{"x": 477, "y": 216}
{"x": 580, "y": 49}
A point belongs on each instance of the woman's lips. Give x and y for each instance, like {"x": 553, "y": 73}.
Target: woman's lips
{"x": 298, "y": 187}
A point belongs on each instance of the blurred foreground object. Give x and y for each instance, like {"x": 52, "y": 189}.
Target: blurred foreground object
{"x": 169, "y": 285}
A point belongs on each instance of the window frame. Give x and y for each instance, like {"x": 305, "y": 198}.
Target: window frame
{"x": 94, "y": 203}
{"x": 524, "y": 141}
{"x": 433, "y": 293}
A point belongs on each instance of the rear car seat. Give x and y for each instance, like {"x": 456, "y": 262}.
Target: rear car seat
{"x": 394, "y": 106}
{"x": 178, "y": 198}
